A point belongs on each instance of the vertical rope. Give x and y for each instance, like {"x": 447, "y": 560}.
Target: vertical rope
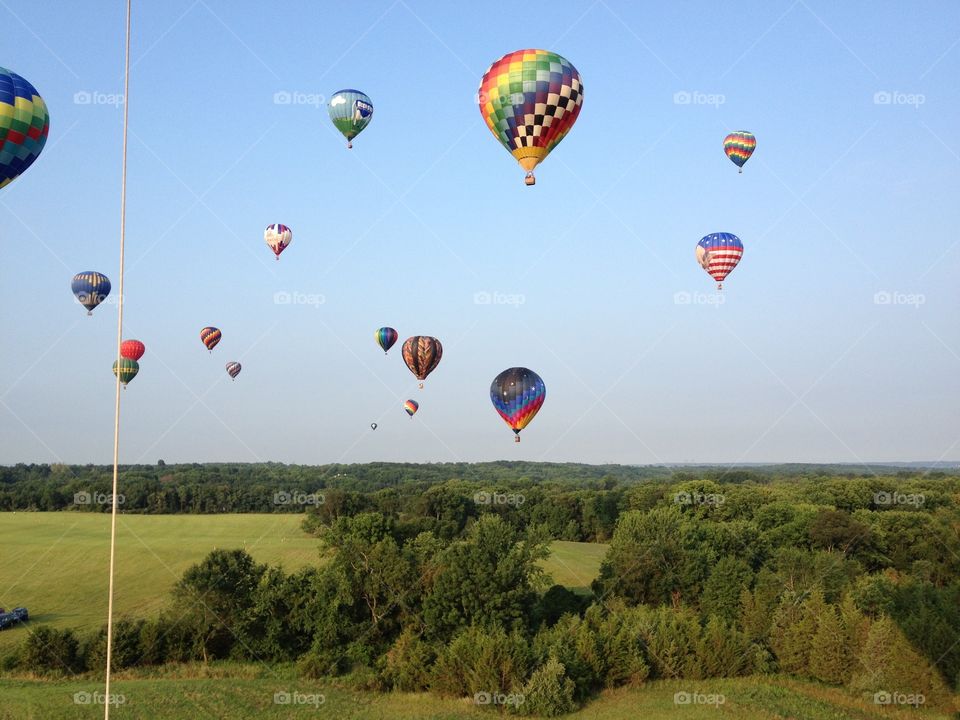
{"x": 116, "y": 412}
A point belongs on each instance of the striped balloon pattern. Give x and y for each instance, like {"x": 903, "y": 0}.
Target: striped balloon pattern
{"x": 233, "y": 369}
{"x": 132, "y": 349}
{"x": 128, "y": 370}
{"x": 210, "y": 337}
{"x": 422, "y": 354}
{"x": 739, "y": 146}
{"x": 718, "y": 254}
{"x": 277, "y": 237}
{"x": 386, "y": 337}
{"x": 518, "y": 394}
{"x": 91, "y": 288}
{"x": 530, "y": 99}
{"x": 24, "y": 125}
{"x": 411, "y": 406}
{"x": 351, "y": 111}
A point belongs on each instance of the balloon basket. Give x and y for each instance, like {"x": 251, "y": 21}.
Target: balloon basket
{"x": 421, "y": 386}
{"x": 89, "y": 312}
{"x": 530, "y": 179}
{"x": 719, "y": 286}
{"x": 516, "y": 438}
{"x": 349, "y": 145}
{"x": 740, "y": 171}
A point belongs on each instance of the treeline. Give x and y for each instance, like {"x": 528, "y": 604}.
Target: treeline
{"x": 849, "y": 582}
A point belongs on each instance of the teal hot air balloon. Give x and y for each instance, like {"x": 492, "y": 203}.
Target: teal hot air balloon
{"x": 24, "y": 125}
{"x": 351, "y": 111}
{"x": 91, "y": 289}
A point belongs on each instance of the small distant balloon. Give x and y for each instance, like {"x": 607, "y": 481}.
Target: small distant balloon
{"x": 411, "y": 406}
{"x": 422, "y": 354}
{"x": 278, "y": 237}
{"x": 739, "y": 146}
{"x": 386, "y": 337}
{"x": 91, "y": 289}
{"x": 718, "y": 254}
{"x": 351, "y": 111}
{"x": 373, "y": 426}
{"x": 24, "y": 126}
{"x": 233, "y": 369}
{"x": 517, "y": 395}
{"x": 132, "y": 349}
{"x": 128, "y": 370}
{"x": 210, "y": 337}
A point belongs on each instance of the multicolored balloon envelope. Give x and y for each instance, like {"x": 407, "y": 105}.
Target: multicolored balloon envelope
{"x": 411, "y": 406}
{"x": 739, "y": 146}
{"x": 351, "y": 111}
{"x": 386, "y": 337}
{"x": 718, "y": 254}
{"x": 422, "y": 354}
{"x": 132, "y": 349}
{"x": 91, "y": 289}
{"x": 128, "y": 370}
{"x": 530, "y": 99}
{"x": 24, "y": 125}
{"x": 210, "y": 337}
{"x": 277, "y": 237}
{"x": 233, "y": 369}
{"x": 517, "y": 394}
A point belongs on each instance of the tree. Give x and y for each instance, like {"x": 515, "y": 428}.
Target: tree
{"x": 721, "y": 591}
{"x": 47, "y": 651}
{"x": 830, "y": 656}
{"x": 548, "y": 692}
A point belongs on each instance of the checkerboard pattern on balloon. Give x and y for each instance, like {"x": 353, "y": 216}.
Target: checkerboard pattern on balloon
{"x": 24, "y": 125}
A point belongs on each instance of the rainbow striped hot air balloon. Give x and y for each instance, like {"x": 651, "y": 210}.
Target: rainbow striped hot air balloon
{"x": 739, "y": 146}
{"x": 411, "y": 406}
{"x": 718, "y": 254}
{"x": 517, "y": 394}
{"x": 530, "y": 99}
{"x": 91, "y": 289}
{"x": 351, "y": 111}
{"x": 385, "y": 337}
{"x": 24, "y": 125}
{"x": 210, "y": 336}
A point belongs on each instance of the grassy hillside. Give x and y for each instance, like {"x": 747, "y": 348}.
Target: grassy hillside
{"x": 56, "y": 564}
{"x": 250, "y": 692}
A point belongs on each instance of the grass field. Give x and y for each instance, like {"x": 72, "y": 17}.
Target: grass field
{"x": 250, "y": 692}
{"x": 55, "y": 564}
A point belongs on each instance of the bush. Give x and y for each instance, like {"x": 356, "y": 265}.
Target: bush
{"x": 549, "y": 692}
{"x": 47, "y": 651}
{"x": 406, "y": 666}
{"x": 127, "y": 650}
{"x": 481, "y": 660}
{"x": 556, "y": 602}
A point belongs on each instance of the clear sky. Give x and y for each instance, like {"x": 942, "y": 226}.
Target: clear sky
{"x": 853, "y": 191}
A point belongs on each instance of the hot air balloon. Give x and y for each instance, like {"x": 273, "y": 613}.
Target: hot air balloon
{"x": 411, "y": 406}
{"x": 530, "y": 99}
{"x": 718, "y": 254}
{"x": 233, "y": 369}
{"x": 386, "y": 337}
{"x": 517, "y": 394}
{"x": 210, "y": 337}
{"x": 128, "y": 370}
{"x": 351, "y": 111}
{"x": 24, "y": 125}
{"x": 278, "y": 237}
{"x": 91, "y": 289}
{"x": 739, "y": 146}
{"x": 422, "y": 355}
{"x": 373, "y": 426}
{"x": 132, "y": 349}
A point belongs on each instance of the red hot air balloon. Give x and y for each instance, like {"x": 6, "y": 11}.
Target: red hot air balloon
{"x": 132, "y": 349}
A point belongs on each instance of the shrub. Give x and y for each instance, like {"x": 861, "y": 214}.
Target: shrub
{"x": 549, "y": 692}
{"x": 481, "y": 660}
{"x": 47, "y": 651}
{"x": 406, "y": 666}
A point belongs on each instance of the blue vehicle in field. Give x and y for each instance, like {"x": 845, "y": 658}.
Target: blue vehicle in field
{"x": 9, "y": 619}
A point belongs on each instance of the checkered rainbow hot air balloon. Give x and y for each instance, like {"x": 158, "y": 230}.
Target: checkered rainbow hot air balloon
{"x": 718, "y": 254}
{"x": 24, "y": 125}
{"x": 530, "y": 99}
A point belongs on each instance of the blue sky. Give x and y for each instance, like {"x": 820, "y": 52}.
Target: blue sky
{"x": 836, "y": 339}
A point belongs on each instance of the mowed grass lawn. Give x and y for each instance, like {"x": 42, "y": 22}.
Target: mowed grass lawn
{"x": 55, "y": 564}
{"x": 249, "y": 694}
